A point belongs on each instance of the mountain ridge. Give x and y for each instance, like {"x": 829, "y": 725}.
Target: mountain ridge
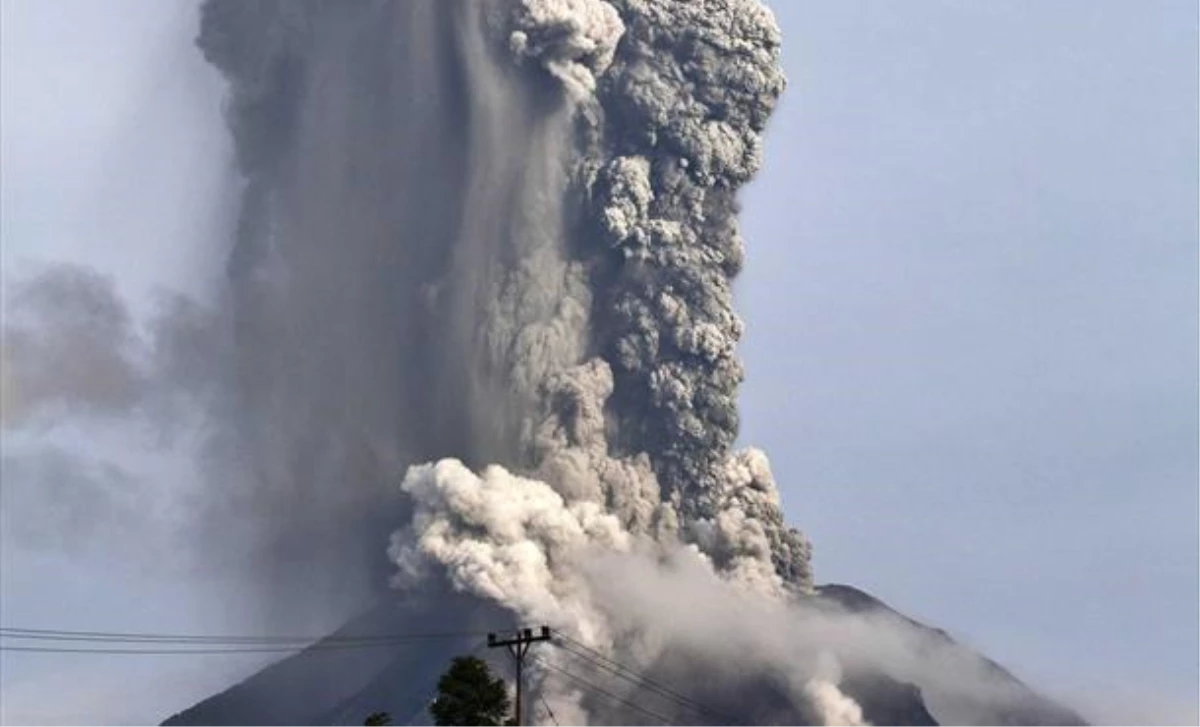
{"x": 318, "y": 686}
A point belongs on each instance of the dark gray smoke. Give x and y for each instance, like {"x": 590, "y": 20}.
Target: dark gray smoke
{"x": 78, "y": 373}
{"x": 476, "y": 333}
{"x": 502, "y": 232}
{"x": 69, "y": 342}
{"x": 72, "y": 348}
{"x": 498, "y": 235}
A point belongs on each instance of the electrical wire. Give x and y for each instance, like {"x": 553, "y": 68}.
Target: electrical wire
{"x": 127, "y": 643}
{"x": 129, "y": 652}
{"x": 549, "y": 711}
{"x": 156, "y": 638}
{"x": 598, "y": 690}
{"x": 616, "y": 668}
{"x": 227, "y": 650}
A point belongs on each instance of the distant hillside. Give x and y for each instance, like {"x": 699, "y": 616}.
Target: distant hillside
{"x": 1011, "y": 703}
{"x": 318, "y": 686}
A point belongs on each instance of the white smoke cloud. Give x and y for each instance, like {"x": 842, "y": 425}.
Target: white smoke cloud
{"x": 834, "y": 707}
{"x": 518, "y": 542}
{"x": 508, "y": 538}
{"x": 660, "y": 605}
{"x": 574, "y": 39}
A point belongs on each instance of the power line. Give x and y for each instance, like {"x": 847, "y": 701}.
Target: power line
{"x": 518, "y": 646}
{"x": 226, "y": 650}
{"x": 617, "y": 666}
{"x": 634, "y": 680}
{"x": 631, "y": 675}
{"x": 155, "y": 638}
{"x": 128, "y": 652}
{"x": 548, "y": 710}
{"x": 174, "y": 644}
{"x": 587, "y": 685}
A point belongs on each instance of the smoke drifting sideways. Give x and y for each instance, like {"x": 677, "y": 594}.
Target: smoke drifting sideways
{"x": 72, "y": 347}
{"x": 119, "y": 443}
{"x": 75, "y": 365}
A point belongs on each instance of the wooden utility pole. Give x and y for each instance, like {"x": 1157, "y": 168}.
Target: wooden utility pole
{"x": 518, "y": 646}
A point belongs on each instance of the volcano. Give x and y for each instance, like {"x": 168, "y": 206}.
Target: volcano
{"x": 485, "y": 251}
{"x": 328, "y": 686}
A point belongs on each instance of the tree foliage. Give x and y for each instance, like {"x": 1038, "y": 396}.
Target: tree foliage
{"x": 378, "y": 719}
{"x": 468, "y": 694}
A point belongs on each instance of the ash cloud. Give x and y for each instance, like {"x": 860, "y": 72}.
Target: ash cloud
{"x": 83, "y": 377}
{"x": 500, "y": 237}
{"x": 492, "y": 242}
{"x": 572, "y": 39}
{"x": 72, "y": 349}
{"x": 54, "y": 498}
{"x": 489, "y": 243}
{"x": 665, "y": 607}
{"x": 502, "y": 232}
{"x": 69, "y": 341}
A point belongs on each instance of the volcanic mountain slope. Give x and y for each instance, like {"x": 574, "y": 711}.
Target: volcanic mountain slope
{"x": 328, "y": 684}
{"x": 1007, "y": 700}
{"x": 323, "y": 685}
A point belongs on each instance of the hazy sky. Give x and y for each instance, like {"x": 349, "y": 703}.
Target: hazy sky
{"x": 971, "y": 298}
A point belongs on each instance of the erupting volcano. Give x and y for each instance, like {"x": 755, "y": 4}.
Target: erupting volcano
{"x": 476, "y": 362}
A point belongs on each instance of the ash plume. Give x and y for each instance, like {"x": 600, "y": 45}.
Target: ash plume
{"x": 661, "y": 603}
{"x": 490, "y": 241}
{"x": 503, "y": 232}
{"x": 474, "y": 353}
{"x": 500, "y": 237}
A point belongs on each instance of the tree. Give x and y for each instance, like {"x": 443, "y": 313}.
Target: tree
{"x": 378, "y": 719}
{"x": 468, "y": 694}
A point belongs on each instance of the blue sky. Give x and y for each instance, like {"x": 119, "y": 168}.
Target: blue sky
{"x": 971, "y": 301}
{"x": 971, "y": 305}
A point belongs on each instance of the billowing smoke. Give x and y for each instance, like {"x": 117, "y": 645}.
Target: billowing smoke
{"x": 493, "y": 242}
{"x": 661, "y": 603}
{"x": 651, "y": 600}
{"x": 503, "y": 232}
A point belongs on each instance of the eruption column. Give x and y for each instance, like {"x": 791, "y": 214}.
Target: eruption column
{"x": 502, "y": 232}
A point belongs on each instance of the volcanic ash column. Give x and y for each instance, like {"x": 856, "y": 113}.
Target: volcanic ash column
{"x": 498, "y": 238}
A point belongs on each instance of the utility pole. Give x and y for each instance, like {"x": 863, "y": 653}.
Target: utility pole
{"x": 518, "y": 646}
